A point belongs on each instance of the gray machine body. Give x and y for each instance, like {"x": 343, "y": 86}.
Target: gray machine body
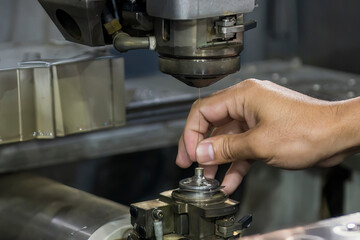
{"x": 197, "y": 9}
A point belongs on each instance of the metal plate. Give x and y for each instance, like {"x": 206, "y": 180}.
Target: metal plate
{"x": 331, "y": 229}
{"x": 53, "y": 98}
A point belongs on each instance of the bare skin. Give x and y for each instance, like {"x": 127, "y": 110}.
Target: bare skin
{"x": 259, "y": 120}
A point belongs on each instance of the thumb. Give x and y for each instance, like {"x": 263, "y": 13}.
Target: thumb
{"x": 224, "y": 149}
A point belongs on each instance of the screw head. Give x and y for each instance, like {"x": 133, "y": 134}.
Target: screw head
{"x": 158, "y": 214}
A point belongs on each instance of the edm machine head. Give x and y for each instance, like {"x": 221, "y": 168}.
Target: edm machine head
{"x": 198, "y": 41}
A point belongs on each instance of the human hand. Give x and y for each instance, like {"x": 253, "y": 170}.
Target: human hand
{"x": 259, "y": 120}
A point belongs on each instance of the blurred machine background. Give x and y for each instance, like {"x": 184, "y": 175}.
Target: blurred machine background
{"x": 310, "y": 46}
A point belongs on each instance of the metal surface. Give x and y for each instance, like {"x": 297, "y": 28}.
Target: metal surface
{"x": 78, "y": 21}
{"x": 197, "y": 210}
{"x": 198, "y": 182}
{"x": 199, "y": 190}
{"x": 199, "y": 72}
{"x": 124, "y": 42}
{"x": 193, "y": 52}
{"x": 341, "y": 228}
{"x": 44, "y": 99}
{"x": 196, "y": 9}
{"x": 33, "y": 208}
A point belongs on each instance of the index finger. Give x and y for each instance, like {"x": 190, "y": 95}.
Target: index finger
{"x": 213, "y": 111}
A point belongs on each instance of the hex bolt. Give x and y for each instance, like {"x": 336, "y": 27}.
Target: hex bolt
{"x": 158, "y": 214}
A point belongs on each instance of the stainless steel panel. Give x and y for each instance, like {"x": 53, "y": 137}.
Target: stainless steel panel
{"x": 48, "y": 99}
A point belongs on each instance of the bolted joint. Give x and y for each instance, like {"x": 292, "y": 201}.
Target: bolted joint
{"x": 157, "y": 214}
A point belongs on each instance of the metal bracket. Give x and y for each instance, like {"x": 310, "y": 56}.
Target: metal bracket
{"x": 227, "y": 28}
{"x": 229, "y": 227}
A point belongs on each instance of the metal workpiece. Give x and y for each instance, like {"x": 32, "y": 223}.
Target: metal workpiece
{"x": 44, "y": 99}
{"x": 197, "y": 9}
{"x": 33, "y": 208}
{"x": 198, "y": 182}
{"x": 198, "y": 189}
{"x": 199, "y": 209}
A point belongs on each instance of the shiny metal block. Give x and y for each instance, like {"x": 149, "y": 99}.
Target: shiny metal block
{"x": 44, "y": 100}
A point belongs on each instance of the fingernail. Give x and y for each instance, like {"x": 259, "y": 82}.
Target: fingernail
{"x": 205, "y": 152}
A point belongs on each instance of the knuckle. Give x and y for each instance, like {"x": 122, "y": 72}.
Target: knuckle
{"x": 250, "y": 83}
{"x": 228, "y": 154}
{"x": 249, "y": 86}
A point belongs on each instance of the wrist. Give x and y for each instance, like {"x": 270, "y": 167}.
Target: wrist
{"x": 347, "y": 119}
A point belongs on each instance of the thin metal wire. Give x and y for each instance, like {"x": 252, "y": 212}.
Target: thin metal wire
{"x": 198, "y": 138}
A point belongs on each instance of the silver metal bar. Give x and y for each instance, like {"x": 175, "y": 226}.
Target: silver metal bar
{"x": 33, "y": 208}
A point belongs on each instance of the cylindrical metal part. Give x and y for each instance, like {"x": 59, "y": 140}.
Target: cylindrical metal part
{"x": 193, "y": 52}
{"x": 199, "y": 172}
{"x": 34, "y": 208}
{"x": 124, "y": 42}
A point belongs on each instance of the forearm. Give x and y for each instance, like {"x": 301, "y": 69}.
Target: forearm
{"x": 348, "y": 130}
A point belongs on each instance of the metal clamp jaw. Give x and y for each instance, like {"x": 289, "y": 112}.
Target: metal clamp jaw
{"x": 198, "y": 209}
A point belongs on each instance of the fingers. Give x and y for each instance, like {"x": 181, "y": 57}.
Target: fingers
{"x": 214, "y": 111}
{"x": 182, "y": 159}
{"x": 232, "y": 127}
{"x": 235, "y": 175}
{"x": 225, "y": 148}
